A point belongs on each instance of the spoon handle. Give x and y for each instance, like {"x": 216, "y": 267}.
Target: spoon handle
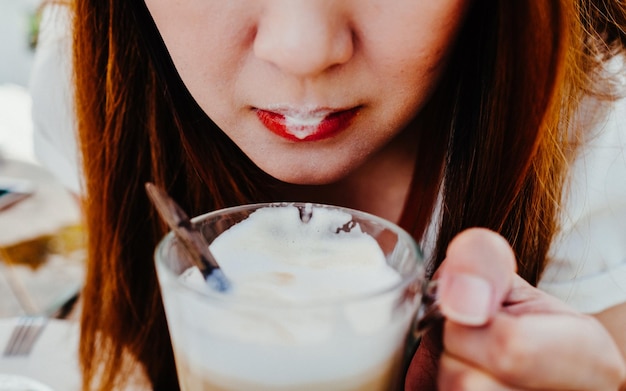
{"x": 190, "y": 237}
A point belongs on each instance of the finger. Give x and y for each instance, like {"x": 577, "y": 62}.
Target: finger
{"x": 524, "y": 299}
{"x": 539, "y": 351}
{"x": 456, "y": 375}
{"x": 476, "y": 276}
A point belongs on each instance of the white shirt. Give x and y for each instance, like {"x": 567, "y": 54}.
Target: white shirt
{"x": 587, "y": 266}
{"x": 54, "y": 129}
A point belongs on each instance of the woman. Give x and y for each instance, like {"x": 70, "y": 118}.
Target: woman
{"x": 440, "y": 116}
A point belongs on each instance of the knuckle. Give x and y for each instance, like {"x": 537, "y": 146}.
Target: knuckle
{"x": 511, "y": 357}
{"x": 453, "y": 377}
{"x": 456, "y": 376}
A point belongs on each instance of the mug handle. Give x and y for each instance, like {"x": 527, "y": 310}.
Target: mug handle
{"x": 428, "y": 313}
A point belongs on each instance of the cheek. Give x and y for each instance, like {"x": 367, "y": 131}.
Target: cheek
{"x": 416, "y": 62}
{"x": 206, "y": 50}
{"x": 416, "y": 43}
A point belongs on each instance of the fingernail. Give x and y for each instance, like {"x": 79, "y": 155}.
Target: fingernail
{"x": 465, "y": 299}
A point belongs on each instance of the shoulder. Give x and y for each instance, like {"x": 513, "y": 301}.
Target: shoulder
{"x": 587, "y": 260}
{"x": 50, "y": 86}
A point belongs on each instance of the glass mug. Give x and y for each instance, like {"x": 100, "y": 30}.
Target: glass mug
{"x": 357, "y": 342}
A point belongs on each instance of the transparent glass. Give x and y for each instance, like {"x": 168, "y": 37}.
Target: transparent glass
{"x": 356, "y": 342}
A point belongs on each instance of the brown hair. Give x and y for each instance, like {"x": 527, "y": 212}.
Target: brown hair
{"x": 499, "y": 151}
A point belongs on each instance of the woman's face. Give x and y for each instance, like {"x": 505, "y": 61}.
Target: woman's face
{"x": 309, "y": 89}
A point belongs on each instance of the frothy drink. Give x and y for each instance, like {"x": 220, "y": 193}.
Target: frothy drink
{"x": 322, "y": 298}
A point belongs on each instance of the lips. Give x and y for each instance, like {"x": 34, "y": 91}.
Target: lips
{"x": 306, "y": 126}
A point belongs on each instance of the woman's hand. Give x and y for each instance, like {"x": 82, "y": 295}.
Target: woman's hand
{"x": 501, "y": 333}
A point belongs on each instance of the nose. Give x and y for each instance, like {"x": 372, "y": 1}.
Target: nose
{"x": 304, "y": 37}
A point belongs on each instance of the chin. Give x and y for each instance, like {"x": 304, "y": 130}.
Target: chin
{"x": 307, "y": 180}
{"x": 300, "y": 176}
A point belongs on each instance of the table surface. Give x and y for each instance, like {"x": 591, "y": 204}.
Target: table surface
{"x": 41, "y": 244}
{"x": 42, "y": 263}
{"x": 53, "y": 360}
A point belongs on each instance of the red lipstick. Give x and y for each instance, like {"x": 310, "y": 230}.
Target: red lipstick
{"x": 312, "y": 126}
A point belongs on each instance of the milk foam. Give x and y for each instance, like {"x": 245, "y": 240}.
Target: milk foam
{"x": 303, "y": 126}
{"x": 274, "y": 255}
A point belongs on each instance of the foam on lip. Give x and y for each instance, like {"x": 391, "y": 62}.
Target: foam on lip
{"x": 301, "y": 122}
{"x": 302, "y": 129}
{"x": 304, "y": 121}
{"x": 304, "y": 124}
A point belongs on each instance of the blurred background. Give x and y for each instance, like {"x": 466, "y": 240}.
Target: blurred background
{"x": 18, "y": 27}
{"x": 41, "y": 257}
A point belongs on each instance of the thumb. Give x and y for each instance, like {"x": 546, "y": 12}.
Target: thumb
{"x": 475, "y": 277}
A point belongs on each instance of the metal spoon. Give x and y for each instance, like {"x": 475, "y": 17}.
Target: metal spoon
{"x": 191, "y": 238}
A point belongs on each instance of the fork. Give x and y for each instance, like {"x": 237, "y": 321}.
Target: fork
{"x": 24, "y": 335}
{"x": 29, "y": 327}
